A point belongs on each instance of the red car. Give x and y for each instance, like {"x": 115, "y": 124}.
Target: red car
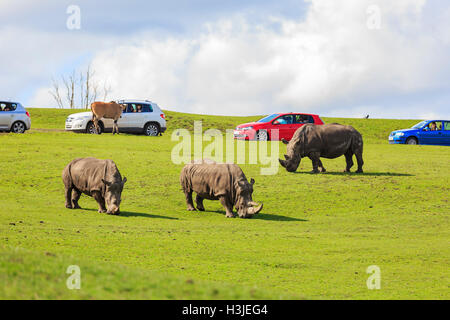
{"x": 285, "y": 123}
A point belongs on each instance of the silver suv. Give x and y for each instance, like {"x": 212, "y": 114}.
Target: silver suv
{"x": 14, "y": 117}
{"x": 140, "y": 116}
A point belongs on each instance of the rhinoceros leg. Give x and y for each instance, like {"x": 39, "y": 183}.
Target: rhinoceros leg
{"x": 76, "y": 194}
{"x": 321, "y": 166}
{"x": 68, "y": 195}
{"x": 315, "y": 158}
{"x": 100, "y": 200}
{"x": 190, "y": 204}
{"x": 359, "y": 160}
{"x": 349, "y": 160}
{"x": 228, "y": 207}
{"x": 199, "y": 202}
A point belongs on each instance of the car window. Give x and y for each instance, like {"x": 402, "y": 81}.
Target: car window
{"x": 4, "y": 106}
{"x": 147, "y": 108}
{"x": 419, "y": 125}
{"x": 434, "y": 126}
{"x": 287, "y": 119}
{"x": 447, "y": 125}
{"x": 268, "y": 118}
{"x": 131, "y": 107}
{"x": 303, "y": 118}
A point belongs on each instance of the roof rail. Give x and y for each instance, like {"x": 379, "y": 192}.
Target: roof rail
{"x": 137, "y": 100}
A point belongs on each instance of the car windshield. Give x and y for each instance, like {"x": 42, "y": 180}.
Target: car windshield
{"x": 420, "y": 125}
{"x": 268, "y": 118}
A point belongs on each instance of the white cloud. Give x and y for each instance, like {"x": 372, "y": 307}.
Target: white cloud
{"x": 329, "y": 63}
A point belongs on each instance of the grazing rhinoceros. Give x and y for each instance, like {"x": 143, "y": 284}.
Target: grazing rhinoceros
{"x": 327, "y": 141}
{"x": 96, "y": 178}
{"x": 219, "y": 181}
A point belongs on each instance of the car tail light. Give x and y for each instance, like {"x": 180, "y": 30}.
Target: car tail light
{"x": 162, "y": 115}
{"x": 28, "y": 114}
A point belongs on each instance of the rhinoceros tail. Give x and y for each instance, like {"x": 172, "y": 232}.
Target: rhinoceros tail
{"x": 185, "y": 180}
{"x": 67, "y": 175}
{"x": 357, "y": 143}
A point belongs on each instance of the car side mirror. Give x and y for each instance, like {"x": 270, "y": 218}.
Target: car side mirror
{"x": 276, "y": 122}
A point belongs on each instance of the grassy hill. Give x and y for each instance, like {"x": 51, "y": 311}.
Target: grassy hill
{"x": 314, "y": 239}
{"x": 373, "y": 130}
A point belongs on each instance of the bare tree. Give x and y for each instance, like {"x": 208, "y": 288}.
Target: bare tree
{"x": 54, "y": 91}
{"x": 81, "y": 83}
{"x": 69, "y": 84}
{"x": 90, "y": 88}
{"x": 106, "y": 90}
{"x": 85, "y": 87}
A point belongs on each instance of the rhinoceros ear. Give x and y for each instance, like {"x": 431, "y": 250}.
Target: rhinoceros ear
{"x": 284, "y": 141}
{"x": 252, "y": 181}
{"x": 124, "y": 180}
{"x": 106, "y": 182}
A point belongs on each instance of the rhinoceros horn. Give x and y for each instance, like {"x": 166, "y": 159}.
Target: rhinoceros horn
{"x": 253, "y": 210}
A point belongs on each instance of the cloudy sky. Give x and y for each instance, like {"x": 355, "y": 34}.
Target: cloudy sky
{"x": 389, "y": 59}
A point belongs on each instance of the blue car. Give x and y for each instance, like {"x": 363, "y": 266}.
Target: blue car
{"x": 433, "y": 132}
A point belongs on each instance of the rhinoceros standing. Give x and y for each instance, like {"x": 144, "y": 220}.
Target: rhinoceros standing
{"x": 219, "y": 181}
{"x": 96, "y": 178}
{"x": 327, "y": 141}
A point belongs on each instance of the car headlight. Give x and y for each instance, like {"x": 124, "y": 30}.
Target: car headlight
{"x": 246, "y": 128}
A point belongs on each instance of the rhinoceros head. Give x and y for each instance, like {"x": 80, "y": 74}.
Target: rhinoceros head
{"x": 294, "y": 151}
{"x": 291, "y": 163}
{"x": 245, "y": 205}
{"x": 113, "y": 195}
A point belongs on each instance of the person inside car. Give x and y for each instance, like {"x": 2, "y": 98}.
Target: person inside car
{"x": 7, "y": 108}
{"x": 139, "y": 108}
{"x": 433, "y": 126}
{"x": 280, "y": 121}
{"x": 302, "y": 119}
{"x": 131, "y": 108}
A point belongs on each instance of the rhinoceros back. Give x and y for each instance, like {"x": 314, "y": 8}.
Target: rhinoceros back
{"x": 211, "y": 180}
{"x": 331, "y": 140}
{"x": 86, "y": 174}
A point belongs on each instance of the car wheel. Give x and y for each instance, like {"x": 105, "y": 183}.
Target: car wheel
{"x": 90, "y": 128}
{"x": 262, "y": 135}
{"x": 151, "y": 129}
{"x": 411, "y": 141}
{"x": 18, "y": 127}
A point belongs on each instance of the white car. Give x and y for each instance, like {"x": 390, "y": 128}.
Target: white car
{"x": 140, "y": 116}
{"x": 14, "y": 117}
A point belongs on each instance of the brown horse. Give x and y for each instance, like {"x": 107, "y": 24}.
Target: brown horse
{"x": 108, "y": 110}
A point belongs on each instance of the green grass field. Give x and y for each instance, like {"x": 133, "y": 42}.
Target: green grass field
{"x": 314, "y": 239}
